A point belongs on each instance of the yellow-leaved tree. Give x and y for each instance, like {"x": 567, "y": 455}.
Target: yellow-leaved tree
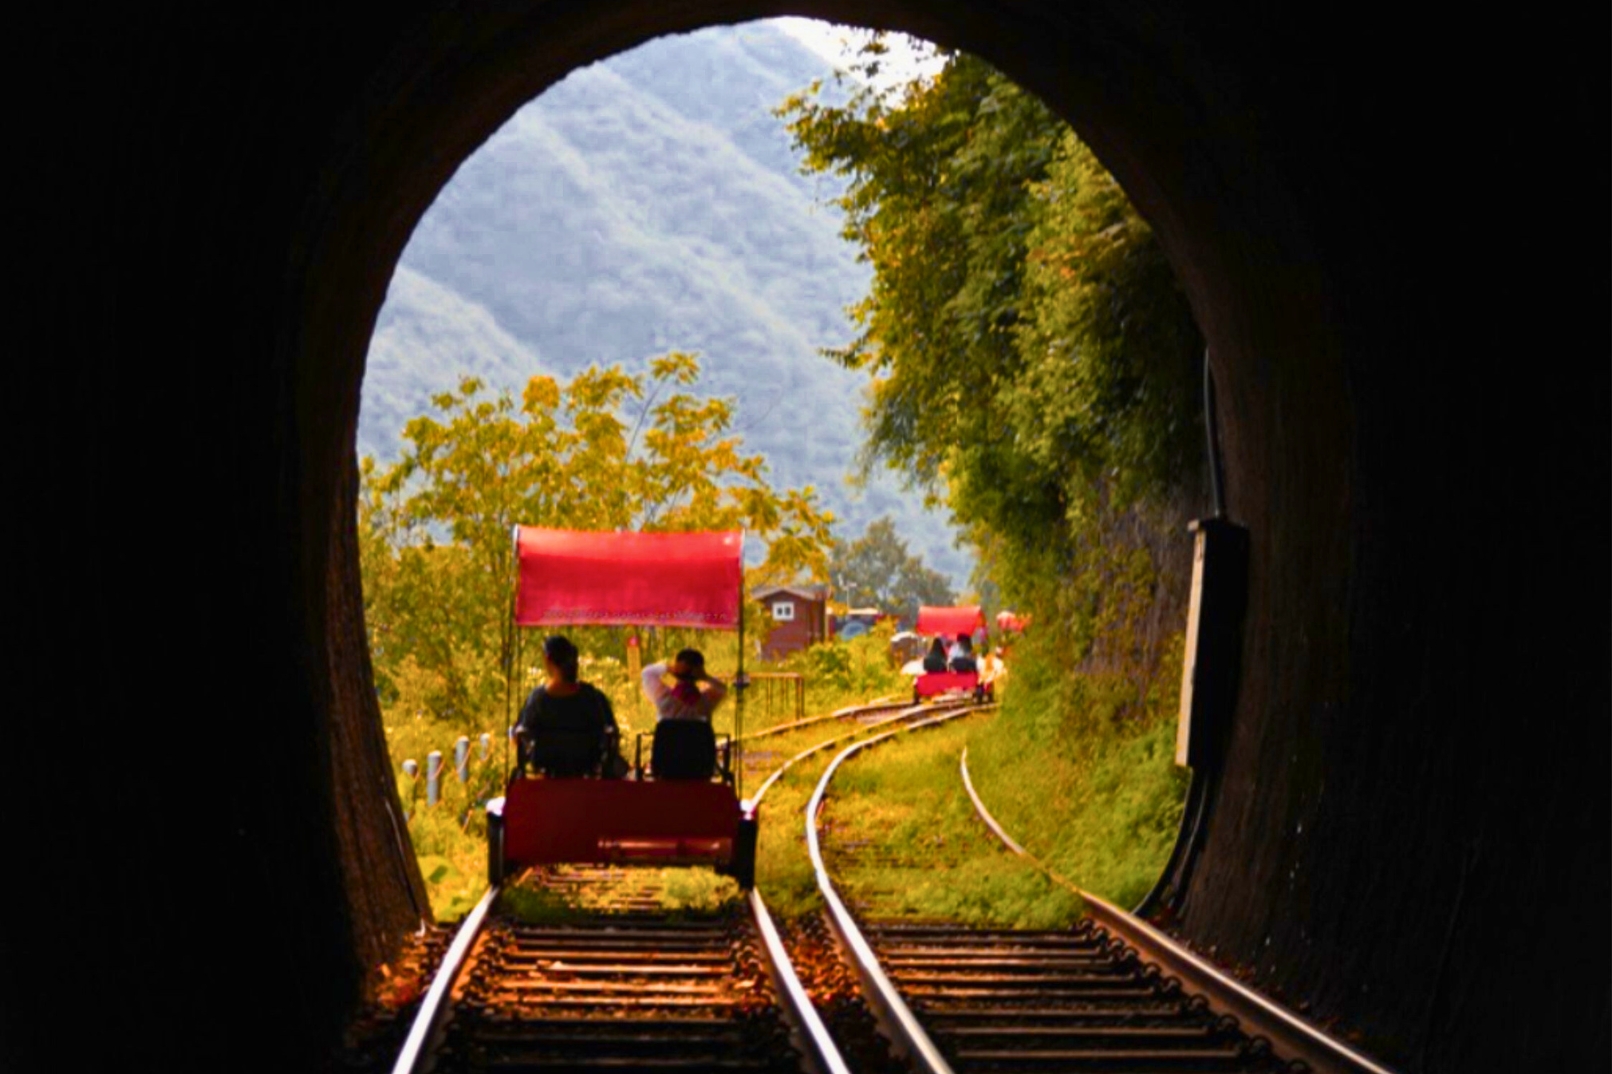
{"x": 606, "y": 450}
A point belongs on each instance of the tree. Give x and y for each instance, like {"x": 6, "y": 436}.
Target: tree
{"x": 435, "y": 526}
{"x": 877, "y": 570}
{"x": 1033, "y": 363}
{"x": 938, "y": 199}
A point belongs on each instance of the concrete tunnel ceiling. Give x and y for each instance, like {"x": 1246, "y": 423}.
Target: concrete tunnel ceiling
{"x": 1387, "y": 844}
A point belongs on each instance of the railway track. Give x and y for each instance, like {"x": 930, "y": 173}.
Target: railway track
{"x": 623, "y": 984}
{"x": 624, "y": 989}
{"x": 1110, "y": 994}
{"x": 615, "y": 986}
{"x": 1004, "y": 1000}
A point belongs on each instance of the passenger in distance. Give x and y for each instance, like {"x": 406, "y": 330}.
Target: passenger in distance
{"x": 935, "y": 658}
{"x": 962, "y": 655}
{"x": 693, "y": 695}
{"x": 567, "y": 727}
{"x": 992, "y": 670}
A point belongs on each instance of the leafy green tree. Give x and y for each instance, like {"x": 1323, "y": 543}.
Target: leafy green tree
{"x": 1032, "y": 361}
{"x": 607, "y": 450}
{"x": 938, "y": 199}
{"x": 877, "y": 570}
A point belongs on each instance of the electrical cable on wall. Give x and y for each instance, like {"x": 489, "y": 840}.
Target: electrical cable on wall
{"x": 1211, "y": 426}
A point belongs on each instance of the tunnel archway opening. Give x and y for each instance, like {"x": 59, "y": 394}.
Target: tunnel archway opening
{"x": 1201, "y": 205}
{"x": 477, "y": 248}
{"x": 1260, "y": 213}
{"x": 1395, "y": 845}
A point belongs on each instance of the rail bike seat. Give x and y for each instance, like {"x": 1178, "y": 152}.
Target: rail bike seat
{"x": 683, "y": 749}
{"x": 562, "y": 754}
{"x": 608, "y": 821}
{"x": 935, "y": 683}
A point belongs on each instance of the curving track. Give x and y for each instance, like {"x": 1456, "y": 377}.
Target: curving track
{"x": 633, "y": 988}
{"x": 629, "y": 987}
{"x": 1106, "y": 995}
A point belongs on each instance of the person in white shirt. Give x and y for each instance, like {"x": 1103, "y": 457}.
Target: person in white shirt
{"x": 992, "y": 670}
{"x": 693, "y": 695}
{"x": 962, "y": 655}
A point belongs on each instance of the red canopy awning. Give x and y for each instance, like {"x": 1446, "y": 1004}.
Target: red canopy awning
{"x": 949, "y": 621}
{"x": 579, "y": 578}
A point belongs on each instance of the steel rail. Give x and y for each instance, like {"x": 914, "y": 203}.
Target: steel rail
{"x": 796, "y": 1002}
{"x": 815, "y": 1035}
{"x": 837, "y": 714}
{"x": 823, "y": 1052}
{"x": 435, "y": 1005}
{"x": 778, "y": 773}
{"x": 878, "y": 988}
{"x": 1288, "y": 1032}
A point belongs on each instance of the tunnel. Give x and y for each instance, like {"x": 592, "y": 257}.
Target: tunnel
{"x": 1392, "y": 228}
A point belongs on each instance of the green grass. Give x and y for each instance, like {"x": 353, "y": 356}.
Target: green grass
{"x": 783, "y": 869}
{"x": 679, "y": 891}
{"x": 1083, "y": 776}
{"x": 450, "y": 841}
{"x": 904, "y": 840}
{"x": 1072, "y": 767}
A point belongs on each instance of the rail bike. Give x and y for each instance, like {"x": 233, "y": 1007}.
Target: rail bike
{"x": 948, "y": 622}
{"x": 676, "y": 810}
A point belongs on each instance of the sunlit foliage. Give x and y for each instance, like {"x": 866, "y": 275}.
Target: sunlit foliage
{"x": 1032, "y": 362}
{"x": 1034, "y": 366}
{"x": 607, "y": 450}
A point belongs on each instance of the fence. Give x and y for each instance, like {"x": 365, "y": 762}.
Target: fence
{"x": 773, "y": 689}
{"x": 461, "y": 765}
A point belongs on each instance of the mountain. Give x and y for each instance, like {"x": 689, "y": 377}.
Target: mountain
{"x": 646, "y": 203}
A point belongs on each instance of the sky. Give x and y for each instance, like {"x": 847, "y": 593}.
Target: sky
{"x": 908, "y": 57}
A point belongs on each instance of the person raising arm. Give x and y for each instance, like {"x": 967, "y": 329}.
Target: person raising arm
{"x": 693, "y": 694}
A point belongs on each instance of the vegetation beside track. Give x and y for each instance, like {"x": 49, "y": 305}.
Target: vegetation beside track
{"x": 1065, "y": 435}
{"x": 1082, "y": 775}
{"x": 1064, "y": 440}
{"x": 903, "y": 840}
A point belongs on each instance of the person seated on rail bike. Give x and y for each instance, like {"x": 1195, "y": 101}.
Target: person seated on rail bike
{"x": 962, "y": 655}
{"x": 935, "y": 658}
{"x": 685, "y": 745}
{"x": 567, "y": 727}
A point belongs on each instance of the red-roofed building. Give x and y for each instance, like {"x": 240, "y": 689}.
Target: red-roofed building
{"x": 797, "y": 615}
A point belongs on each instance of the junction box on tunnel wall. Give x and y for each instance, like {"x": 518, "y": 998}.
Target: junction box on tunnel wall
{"x": 1213, "y": 642}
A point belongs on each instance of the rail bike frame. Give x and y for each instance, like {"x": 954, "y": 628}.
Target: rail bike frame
{"x": 575, "y": 578}
{"x": 936, "y": 683}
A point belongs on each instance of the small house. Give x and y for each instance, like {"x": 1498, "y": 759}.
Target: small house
{"x": 797, "y": 617}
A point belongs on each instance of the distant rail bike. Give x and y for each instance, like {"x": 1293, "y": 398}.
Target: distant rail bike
{"x": 946, "y": 622}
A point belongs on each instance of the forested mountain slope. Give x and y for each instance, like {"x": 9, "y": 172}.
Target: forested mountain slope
{"x": 646, "y": 203}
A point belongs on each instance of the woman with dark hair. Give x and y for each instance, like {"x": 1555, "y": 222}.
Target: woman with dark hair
{"x": 935, "y": 658}
{"x": 567, "y": 727}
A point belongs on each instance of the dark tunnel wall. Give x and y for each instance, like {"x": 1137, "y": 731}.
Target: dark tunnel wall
{"x": 1394, "y": 235}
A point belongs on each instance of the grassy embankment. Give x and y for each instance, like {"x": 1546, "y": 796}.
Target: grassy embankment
{"x": 1075, "y": 766}
{"x": 1080, "y": 770}
{"x": 903, "y": 840}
